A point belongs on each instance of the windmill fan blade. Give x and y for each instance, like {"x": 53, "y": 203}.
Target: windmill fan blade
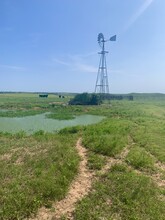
{"x": 113, "y": 38}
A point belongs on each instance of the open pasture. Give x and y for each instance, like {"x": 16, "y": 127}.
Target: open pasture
{"x": 126, "y": 151}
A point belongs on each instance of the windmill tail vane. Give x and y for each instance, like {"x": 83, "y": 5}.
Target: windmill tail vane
{"x": 113, "y": 38}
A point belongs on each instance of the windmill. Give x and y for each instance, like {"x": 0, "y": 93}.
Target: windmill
{"x": 102, "y": 86}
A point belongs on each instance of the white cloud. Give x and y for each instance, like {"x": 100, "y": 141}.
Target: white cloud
{"x": 85, "y": 68}
{"x": 56, "y": 60}
{"x": 85, "y": 55}
{"x": 76, "y": 63}
{"x": 19, "y": 68}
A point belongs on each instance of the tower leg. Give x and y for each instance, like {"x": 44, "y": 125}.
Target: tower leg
{"x": 102, "y": 86}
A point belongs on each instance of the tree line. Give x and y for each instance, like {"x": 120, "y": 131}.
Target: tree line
{"x": 96, "y": 99}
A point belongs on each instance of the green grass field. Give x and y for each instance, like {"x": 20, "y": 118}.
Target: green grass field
{"x": 38, "y": 169}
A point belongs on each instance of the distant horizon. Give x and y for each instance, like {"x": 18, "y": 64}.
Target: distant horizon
{"x": 40, "y": 92}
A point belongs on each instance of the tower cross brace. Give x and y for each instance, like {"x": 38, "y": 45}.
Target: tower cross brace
{"x": 102, "y": 85}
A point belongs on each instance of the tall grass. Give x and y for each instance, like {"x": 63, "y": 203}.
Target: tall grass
{"x": 108, "y": 137}
{"x": 35, "y": 171}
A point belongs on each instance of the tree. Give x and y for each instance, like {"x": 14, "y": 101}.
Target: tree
{"x": 85, "y": 99}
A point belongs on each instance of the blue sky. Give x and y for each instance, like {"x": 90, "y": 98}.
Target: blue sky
{"x": 51, "y": 45}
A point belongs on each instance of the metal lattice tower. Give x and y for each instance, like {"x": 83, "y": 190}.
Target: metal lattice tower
{"x": 102, "y": 86}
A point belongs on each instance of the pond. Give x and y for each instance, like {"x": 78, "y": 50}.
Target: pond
{"x": 31, "y": 124}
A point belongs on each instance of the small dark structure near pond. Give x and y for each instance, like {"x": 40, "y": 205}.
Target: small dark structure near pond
{"x": 61, "y": 96}
{"x": 43, "y": 95}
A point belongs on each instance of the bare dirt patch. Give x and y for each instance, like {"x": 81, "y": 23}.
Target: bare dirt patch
{"x": 6, "y": 157}
{"x": 160, "y": 166}
{"x": 110, "y": 161}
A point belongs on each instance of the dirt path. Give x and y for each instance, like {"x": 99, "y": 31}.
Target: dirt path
{"x": 82, "y": 184}
{"x": 78, "y": 189}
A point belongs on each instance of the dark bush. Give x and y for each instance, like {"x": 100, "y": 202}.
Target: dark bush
{"x": 85, "y": 99}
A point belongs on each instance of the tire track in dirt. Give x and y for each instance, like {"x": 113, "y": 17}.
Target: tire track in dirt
{"x": 82, "y": 185}
{"x": 111, "y": 161}
{"x": 79, "y": 188}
